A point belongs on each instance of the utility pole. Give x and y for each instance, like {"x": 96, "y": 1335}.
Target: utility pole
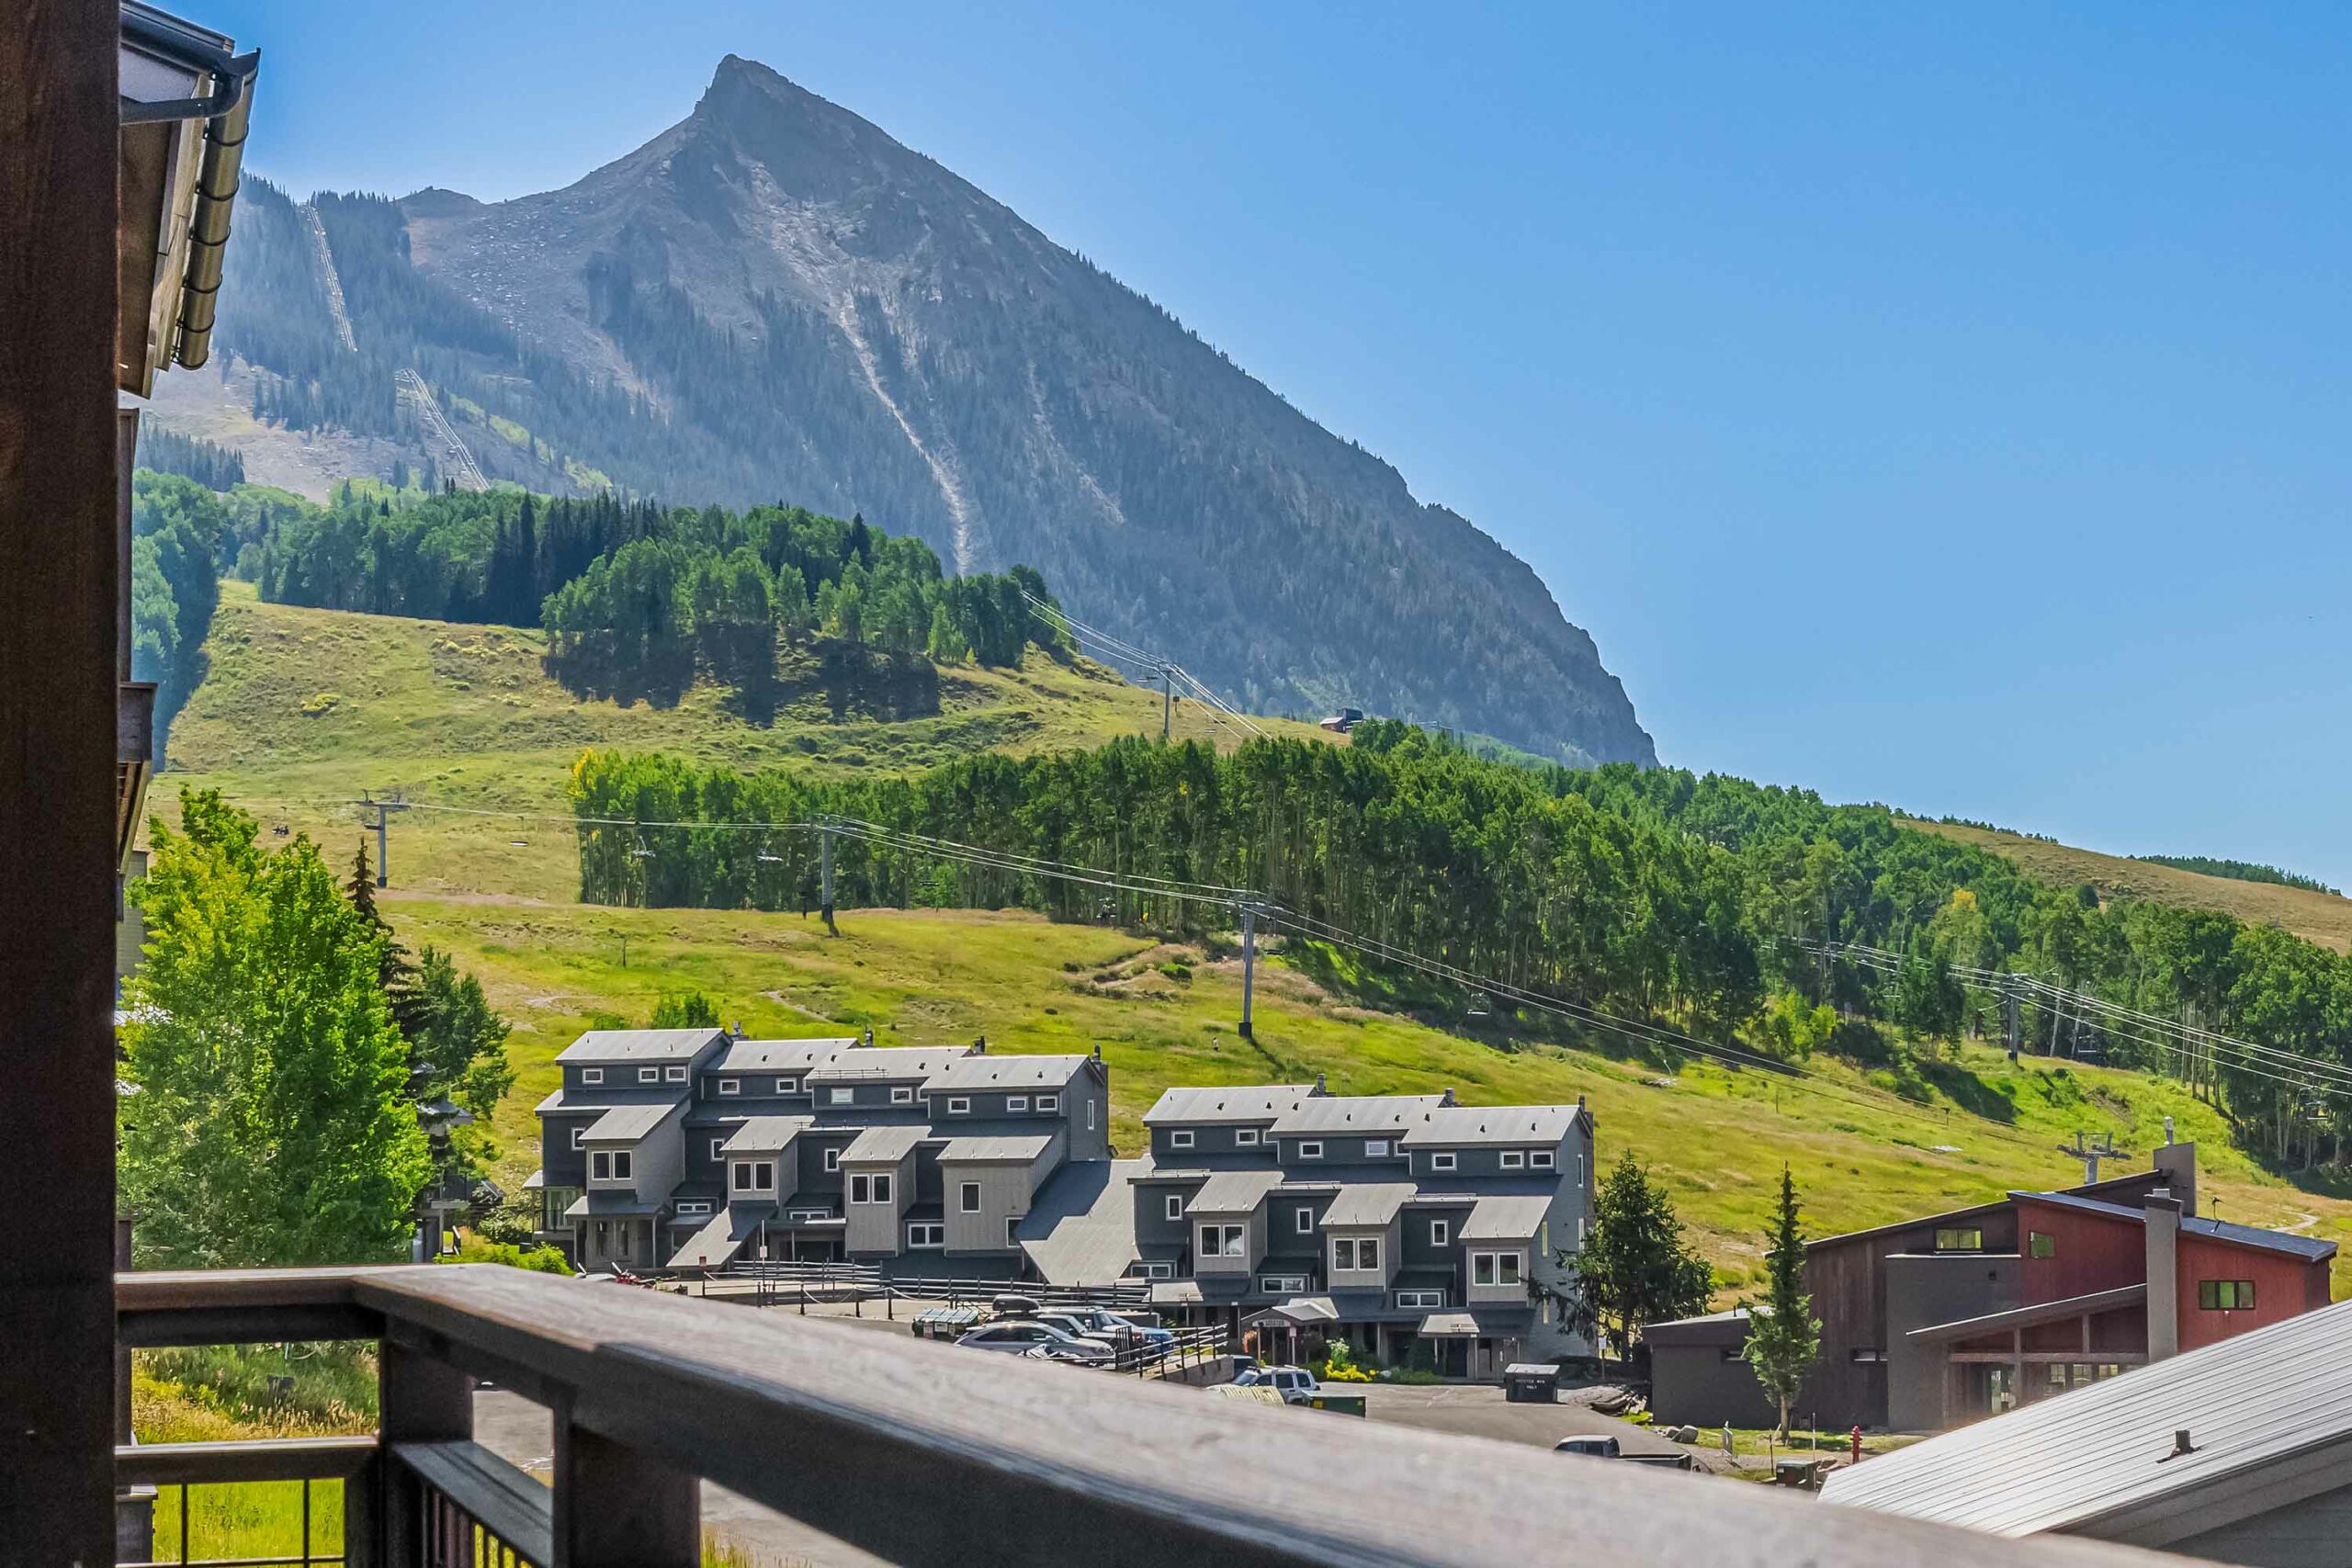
{"x": 1168, "y": 704}
{"x": 2009, "y": 1017}
{"x": 825, "y": 873}
{"x": 383, "y": 810}
{"x": 1249, "y": 962}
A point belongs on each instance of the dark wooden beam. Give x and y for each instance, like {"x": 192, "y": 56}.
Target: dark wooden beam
{"x": 59, "y": 581}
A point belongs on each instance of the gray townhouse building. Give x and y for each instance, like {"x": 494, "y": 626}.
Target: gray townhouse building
{"x": 1404, "y": 1224}
{"x": 1413, "y": 1226}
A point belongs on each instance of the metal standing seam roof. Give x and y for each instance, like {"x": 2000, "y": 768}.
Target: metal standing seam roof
{"x": 1234, "y": 1193}
{"x": 627, "y": 1124}
{"x": 777, "y": 1055}
{"x": 871, "y": 1063}
{"x": 2032, "y": 1314}
{"x": 1365, "y": 1203}
{"x": 1357, "y": 1114}
{"x": 1014, "y": 1148}
{"x": 1505, "y": 1219}
{"x": 1081, "y": 1229}
{"x": 639, "y": 1045}
{"x": 2090, "y": 1460}
{"x": 2309, "y": 1248}
{"x": 765, "y": 1135}
{"x": 1240, "y": 1103}
{"x": 1463, "y": 1126}
{"x": 884, "y": 1145}
{"x": 991, "y": 1072}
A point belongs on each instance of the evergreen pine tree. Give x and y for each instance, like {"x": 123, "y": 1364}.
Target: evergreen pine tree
{"x": 1783, "y": 1336}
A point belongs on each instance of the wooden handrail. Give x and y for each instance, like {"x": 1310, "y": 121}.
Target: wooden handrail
{"x": 922, "y": 1454}
{"x": 255, "y": 1459}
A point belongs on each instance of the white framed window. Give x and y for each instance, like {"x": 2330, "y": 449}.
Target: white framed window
{"x": 1343, "y": 1253}
{"x": 805, "y": 1215}
{"x": 1514, "y": 1159}
{"x": 730, "y": 1086}
{"x": 1175, "y": 1205}
{"x": 1053, "y": 1102}
{"x": 1245, "y": 1137}
{"x": 675, "y": 1075}
{"x": 1541, "y": 1159}
{"x": 1444, "y": 1161}
{"x": 1012, "y": 1230}
{"x": 1150, "y": 1271}
{"x": 870, "y": 1188}
{"x": 649, "y": 1075}
{"x": 718, "y": 1148}
{"x": 843, "y": 1095}
{"x": 1495, "y": 1268}
{"x": 902, "y": 1094}
{"x": 959, "y": 1105}
{"x": 1422, "y": 1299}
{"x": 967, "y": 1197}
{"x": 1303, "y": 1220}
{"x": 1225, "y": 1241}
{"x": 1375, "y": 1148}
{"x": 591, "y": 1075}
{"x": 694, "y": 1206}
{"x": 927, "y": 1236}
{"x": 1090, "y": 1109}
{"x": 1311, "y": 1151}
{"x": 1281, "y": 1284}
{"x": 1440, "y": 1232}
{"x": 600, "y": 1166}
{"x": 1016, "y": 1103}
{"x": 1368, "y": 1253}
{"x": 753, "y": 1176}
{"x": 579, "y": 1135}
{"x": 1181, "y": 1138}
{"x": 832, "y": 1159}
{"x": 787, "y": 1086}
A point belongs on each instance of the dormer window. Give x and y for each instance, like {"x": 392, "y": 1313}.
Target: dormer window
{"x": 1375, "y": 1148}
{"x": 649, "y": 1075}
{"x": 902, "y": 1094}
{"x": 959, "y": 1105}
{"x": 676, "y": 1075}
{"x": 787, "y": 1085}
{"x": 1016, "y": 1103}
{"x": 754, "y": 1175}
{"x": 1181, "y": 1138}
{"x": 1311, "y": 1151}
{"x": 1514, "y": 1159}
{"x": 591, "y": 1075}
{"x": 1245, "y": 1137}
{"x": 1444, "y": 1161}
{"x": 1542, "y": 1159}
{"x": 609, "y": 1165}
{"x": 1049, "y": 1102}
{"x": 730, "y": 1086}
{"x": 842, "y": 1096}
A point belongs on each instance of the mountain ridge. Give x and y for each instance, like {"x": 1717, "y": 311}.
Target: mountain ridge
{"x": 773, "y": 299}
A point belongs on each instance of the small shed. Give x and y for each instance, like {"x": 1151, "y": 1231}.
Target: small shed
{"x": 1531, "y": 1383}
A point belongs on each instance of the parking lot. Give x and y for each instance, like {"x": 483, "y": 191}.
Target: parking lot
{"x": 1479, "y": 1410}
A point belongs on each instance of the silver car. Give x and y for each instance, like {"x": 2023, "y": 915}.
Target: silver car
{"x": 1021, "y": 1335}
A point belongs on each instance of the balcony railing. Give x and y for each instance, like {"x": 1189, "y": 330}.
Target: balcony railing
{"x": 915, "y": 1451}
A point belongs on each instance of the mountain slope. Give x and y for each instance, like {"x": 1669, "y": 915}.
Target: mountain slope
{"x": 775, "y": 300}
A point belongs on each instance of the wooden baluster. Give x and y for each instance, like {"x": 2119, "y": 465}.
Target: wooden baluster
{"x": 617, "y": 1509}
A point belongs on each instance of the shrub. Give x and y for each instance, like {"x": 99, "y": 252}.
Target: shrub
{"x": 537, "y": 1260}
{"x": 321, "y": 703}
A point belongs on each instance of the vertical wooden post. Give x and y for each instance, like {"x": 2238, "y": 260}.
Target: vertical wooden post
{"x": 617, "y": 1509}
{"x": 58, "y": 589}
{"x": 423, "y": 1401}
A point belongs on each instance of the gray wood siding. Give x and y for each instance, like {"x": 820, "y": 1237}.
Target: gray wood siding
{"x": 2313, "y": 1533}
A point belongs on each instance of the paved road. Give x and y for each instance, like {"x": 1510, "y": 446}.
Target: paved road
{"x": 1479, "y": 1410}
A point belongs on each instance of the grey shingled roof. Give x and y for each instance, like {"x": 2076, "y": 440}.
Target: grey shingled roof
{"x": 1366, "y": 1204}
{"x": 777, "y": 1055}
{"x": 765, "y": 1135}
{"x": 878, "y": 1145}
{"x": 1506, "y": 1218}
{"x": 2089, "y": 1461}
{"x": 605, "y": 1045}
{"x": 1465, "y": 1126}
{"x": 1237, "y": 1103}
{"x": 987, "y": 1072}
{"x": 1357, "y": 1114}
{"x": 629, "y": 1122}
{"x": 897, "y": 1063}
{"x": 1081, "y": 1229}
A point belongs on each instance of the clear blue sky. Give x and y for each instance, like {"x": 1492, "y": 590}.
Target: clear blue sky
{"x": 1938, "y": 405}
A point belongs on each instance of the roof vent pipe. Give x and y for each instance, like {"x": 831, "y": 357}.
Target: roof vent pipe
{"x": 2181, "y": 1446}
{"x": 1448, "y": 1098}
{"x": 1318, "y": 1084}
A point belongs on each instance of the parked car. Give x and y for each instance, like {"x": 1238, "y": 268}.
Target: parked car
{"x": 1094, "y": 1323}
{"x": 1020, "y": 1335}
{"x": 1594, "y": 1448}
{"x": 1295, "y": 1384}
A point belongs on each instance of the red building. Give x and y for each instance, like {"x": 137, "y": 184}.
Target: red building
{"x": 1935, "y": 1321}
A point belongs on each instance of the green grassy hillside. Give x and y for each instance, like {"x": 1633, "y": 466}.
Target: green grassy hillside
{"x": 304, "y": 709}
{"x": 2323, "y": 918}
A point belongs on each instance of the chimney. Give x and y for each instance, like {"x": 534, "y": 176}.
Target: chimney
{"x": 1098, "y": 1050}
{"x": 2164, "y": 1274}
{"x": 2177, "y": 1164}
{"x": 1319, "y": 1087}
{"x": 980, "y": 1045}
{"x": 1449, "y": 1099}
{"x": 735, "y": 1030}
